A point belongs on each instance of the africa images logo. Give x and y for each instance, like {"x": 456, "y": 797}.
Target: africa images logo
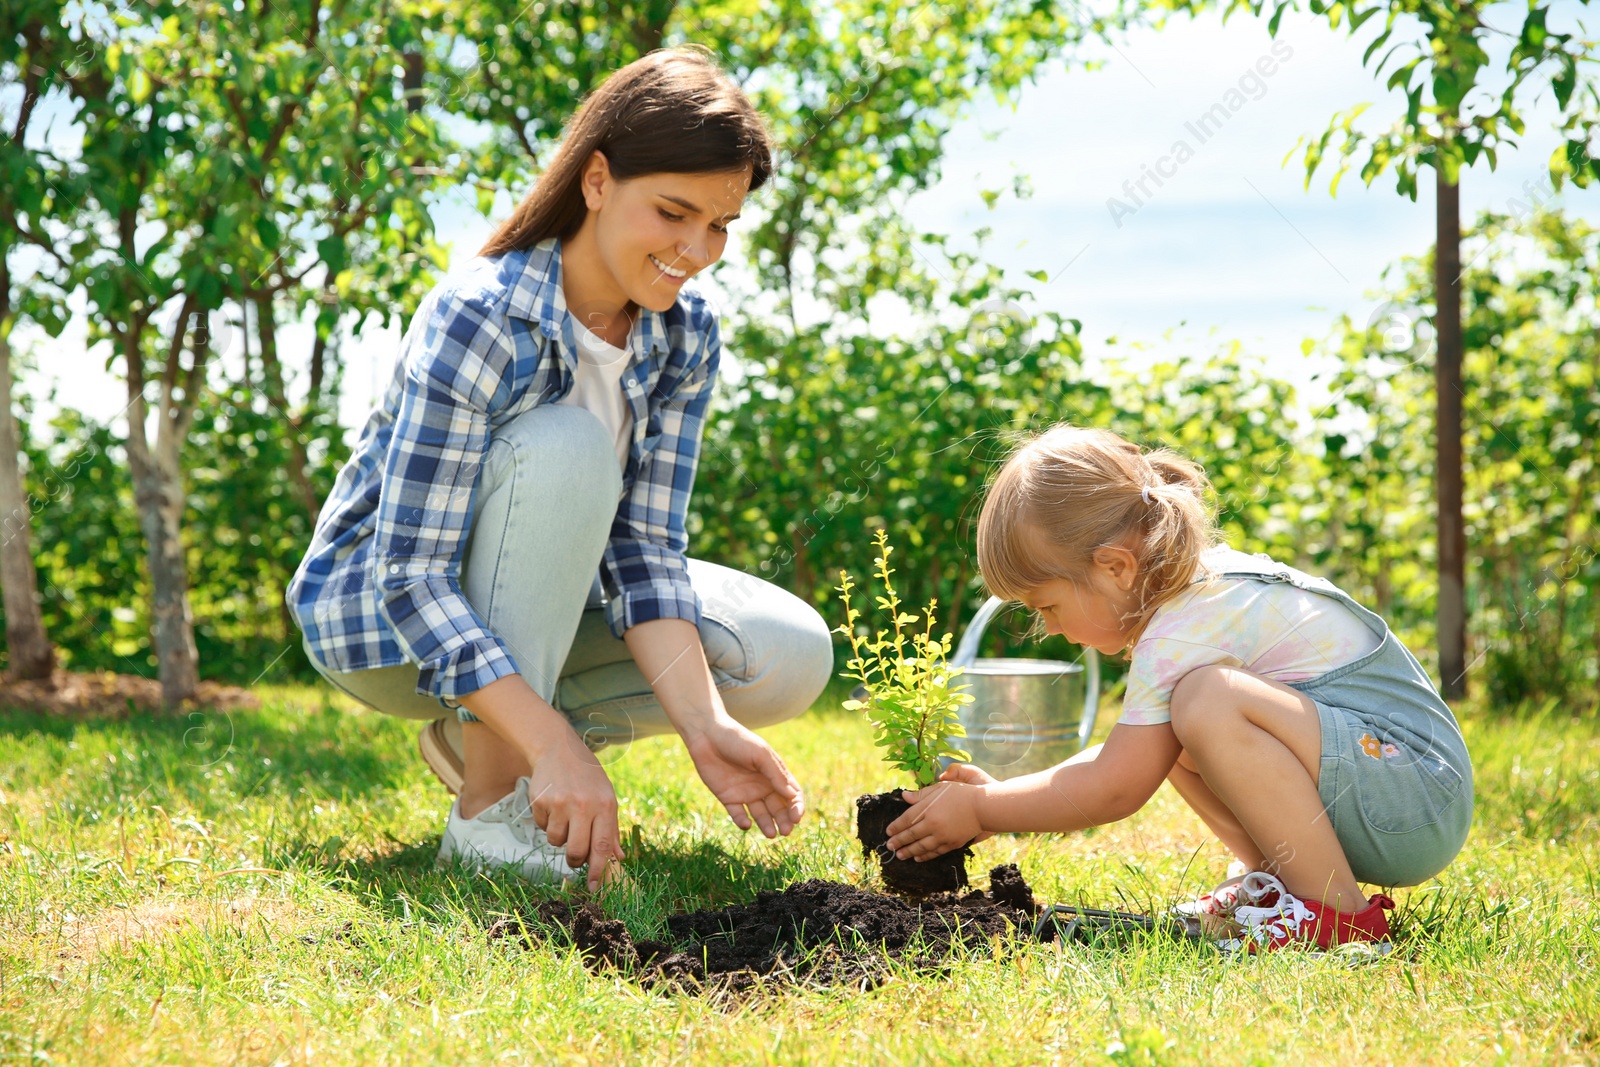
{"x": 1252, "y": 85}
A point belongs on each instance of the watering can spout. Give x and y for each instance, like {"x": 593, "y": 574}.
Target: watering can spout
{"x": 967, "y": 650}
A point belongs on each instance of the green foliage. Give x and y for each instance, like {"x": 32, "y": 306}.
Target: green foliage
{"x": 826, "y": 433}
{"x": 87, "y": 546}
{"x": 275, "y": 183}
{"x": 910, "y": 700}
{"x": 245, "y": 532}
{"x": 1531, "y": 415}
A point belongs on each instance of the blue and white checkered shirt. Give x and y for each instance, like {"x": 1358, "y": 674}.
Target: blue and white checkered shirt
{"x": 381, "y": 582}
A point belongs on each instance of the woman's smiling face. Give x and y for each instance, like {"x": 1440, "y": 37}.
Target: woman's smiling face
{"x": 657, "y": 231}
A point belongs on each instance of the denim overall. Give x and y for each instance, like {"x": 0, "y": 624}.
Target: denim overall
{"x": 1395, "y": 776}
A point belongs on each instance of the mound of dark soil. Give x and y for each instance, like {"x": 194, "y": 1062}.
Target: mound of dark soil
{"x": 942, "y": 874}
{"x": 813, "y": 933}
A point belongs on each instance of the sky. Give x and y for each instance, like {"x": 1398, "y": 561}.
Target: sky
{"x": 1229, "y": 245}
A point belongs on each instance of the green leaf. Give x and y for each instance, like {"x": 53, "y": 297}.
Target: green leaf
{"x": 1277, "y": 17}
{"x": 331, "y": 250}
{"x": 1533, "y": 29}
{"x": 1565, "y": 81}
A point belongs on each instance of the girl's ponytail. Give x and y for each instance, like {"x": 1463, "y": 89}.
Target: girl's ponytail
{"x": 1177, "y": 528}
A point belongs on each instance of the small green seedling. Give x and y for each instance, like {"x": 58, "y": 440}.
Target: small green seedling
{"x": 910, "y": 699}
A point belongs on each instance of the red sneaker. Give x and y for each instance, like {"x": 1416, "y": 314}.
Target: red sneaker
{"x": 1292, "y": 921}
{"x": 1255, "y": 912}
{"x": 1212, "y": 915}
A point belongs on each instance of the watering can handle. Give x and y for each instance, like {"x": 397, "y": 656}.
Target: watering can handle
{"x": 967, "y": 654}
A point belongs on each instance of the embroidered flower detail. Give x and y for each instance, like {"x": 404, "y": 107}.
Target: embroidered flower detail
{"x": 1372, "y": 746}
{"x": 1390, "y": 749}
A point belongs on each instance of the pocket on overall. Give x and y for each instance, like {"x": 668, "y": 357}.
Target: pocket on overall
{"x": 1401, "y": 782}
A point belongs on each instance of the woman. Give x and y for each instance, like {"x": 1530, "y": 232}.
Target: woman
{"x": 516, "y": 502}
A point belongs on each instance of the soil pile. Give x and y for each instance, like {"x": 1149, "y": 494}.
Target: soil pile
{"x": 814, "y": 933}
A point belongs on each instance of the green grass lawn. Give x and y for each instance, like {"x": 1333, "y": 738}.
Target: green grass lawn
{"x": 258, "y": 888}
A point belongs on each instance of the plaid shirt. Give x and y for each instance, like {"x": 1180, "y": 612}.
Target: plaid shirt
{"x": 381, "y": 582}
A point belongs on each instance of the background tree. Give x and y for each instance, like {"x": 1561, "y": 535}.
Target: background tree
{"x": 859, "y": 97}
{"x": 34, "y": 180}
{"x": 220, "y": 142}
{"x": 1532, "y": 416}
{"x": 873, "y": 374}
{"x": 337, "y": 160}
{"x": 1461, "y": 107}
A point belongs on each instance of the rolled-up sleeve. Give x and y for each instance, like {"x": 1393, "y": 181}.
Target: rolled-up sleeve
{"x": 456, "y": 375}
{"x": 644, "y": 560}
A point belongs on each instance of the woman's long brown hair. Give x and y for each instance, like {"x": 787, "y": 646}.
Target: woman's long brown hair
{"x": 672, "y": 111}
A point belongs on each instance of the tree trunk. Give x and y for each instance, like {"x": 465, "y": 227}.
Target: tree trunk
{"x": 1451, "y": 530}
{"x": 32, "y": 656}
{"x": 158, "y": 495}
{"x": 272, "y": 378}
{"x": 411, "y": 81}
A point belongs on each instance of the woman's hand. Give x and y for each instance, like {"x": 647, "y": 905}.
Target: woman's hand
{"x": 570, "y": 796}
{"x": 746, "y": 775}
{"x": 737, "y": 766}
{"x": 944, "y": 816}
{"x": 575, "y": 806}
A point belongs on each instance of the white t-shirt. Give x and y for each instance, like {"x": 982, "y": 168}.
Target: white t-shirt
{"x": 597, "y": 386}
{"x": 1269, "y": 628}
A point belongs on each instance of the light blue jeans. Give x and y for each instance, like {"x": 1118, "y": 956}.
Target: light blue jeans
{"x": 541, "y": 519}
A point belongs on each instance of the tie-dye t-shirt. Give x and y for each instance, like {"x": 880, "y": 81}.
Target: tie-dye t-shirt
{"x": 1269, "y": 628}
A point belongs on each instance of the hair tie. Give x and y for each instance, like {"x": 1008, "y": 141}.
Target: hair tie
{"x": 1145, "y": 494}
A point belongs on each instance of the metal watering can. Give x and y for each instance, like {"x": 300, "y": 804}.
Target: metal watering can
{"x": 1026, "y": 714}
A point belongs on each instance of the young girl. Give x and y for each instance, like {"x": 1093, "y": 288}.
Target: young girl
{"x": 503, "y": 556}
{"x": 1290, "y": 718}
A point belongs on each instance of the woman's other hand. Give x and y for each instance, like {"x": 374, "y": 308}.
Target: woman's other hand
{"x": 747, "y": 776}
{"x": 570, "y": 796}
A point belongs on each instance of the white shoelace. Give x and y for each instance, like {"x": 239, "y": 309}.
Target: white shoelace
{"x": 1237, "y": 903}
{"x": 1280, "y": 919}
{"x": 513, "y": 810}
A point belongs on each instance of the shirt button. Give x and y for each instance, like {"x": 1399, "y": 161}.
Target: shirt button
{"x": 394, "y": 568}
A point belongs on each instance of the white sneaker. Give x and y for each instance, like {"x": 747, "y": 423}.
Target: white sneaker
{"x": 504, "y": 835}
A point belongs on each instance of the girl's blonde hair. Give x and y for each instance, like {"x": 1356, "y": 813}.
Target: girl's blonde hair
{"x": 1070, "y": 490}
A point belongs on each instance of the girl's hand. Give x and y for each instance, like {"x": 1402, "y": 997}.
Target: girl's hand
{"x": 971, "y": 775}
{"x": 944, "y": 816}
{"x": 968, "y": 773}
